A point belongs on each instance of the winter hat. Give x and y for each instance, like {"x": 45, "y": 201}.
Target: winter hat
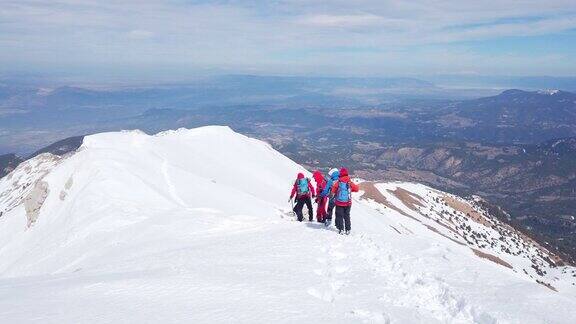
{"x": 317, "y": 175}
{"x": 300, "y": 175}
{"x": 332, "y": 171}
{"x": 343, "y": 172}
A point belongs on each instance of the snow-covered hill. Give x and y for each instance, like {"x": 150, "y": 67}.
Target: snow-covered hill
{"x": 468, "y": 222}
{"x": 193, "y": 226}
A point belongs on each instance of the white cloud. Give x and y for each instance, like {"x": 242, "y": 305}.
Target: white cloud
{"x": 361, "y": 36}
{"x": 140, "y": 34}
{"x": 341, "y": 20}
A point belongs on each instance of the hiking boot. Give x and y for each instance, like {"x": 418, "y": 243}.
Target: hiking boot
{"x": 347, "y": 232}
{"x": 310, "y": 219}
{"x": 340, "y": 232}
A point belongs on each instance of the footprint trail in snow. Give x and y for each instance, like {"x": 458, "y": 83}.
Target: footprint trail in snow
{"x": 351, "y": 268}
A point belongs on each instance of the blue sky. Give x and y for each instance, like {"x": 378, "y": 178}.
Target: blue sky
{"x": 310, "y": 37}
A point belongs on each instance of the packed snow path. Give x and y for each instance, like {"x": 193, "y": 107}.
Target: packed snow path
{"x": 361, "y": 279}
{"x": 241, "y": 269}
{"x": 192, "y": 226}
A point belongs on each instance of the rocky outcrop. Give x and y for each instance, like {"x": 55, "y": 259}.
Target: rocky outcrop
{"x": 469, "y": 223}
{"x": 25, "y": 186}
{"x": 34, "y": 201}
{"x": 8, "y": 162}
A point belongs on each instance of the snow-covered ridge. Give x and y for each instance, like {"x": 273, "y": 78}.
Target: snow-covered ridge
{"x": 194, "y": 226}
{"x": 467, "y": 222}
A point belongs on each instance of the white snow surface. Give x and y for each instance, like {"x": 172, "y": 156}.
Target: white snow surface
{"x": 193, "y": 226}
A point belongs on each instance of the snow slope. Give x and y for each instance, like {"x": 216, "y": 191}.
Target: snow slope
{"x": 193, "y": 226}
{"x": 468, "y": 222}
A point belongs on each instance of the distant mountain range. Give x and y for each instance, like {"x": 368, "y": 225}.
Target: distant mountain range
{"x": 515, "y": 116}
{"x": 515, "y": 148}
{"x": 505, "y": 82}
{"x": 222, "y": 90}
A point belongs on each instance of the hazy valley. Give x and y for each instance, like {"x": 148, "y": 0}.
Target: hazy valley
{"x": 515, "y": 148}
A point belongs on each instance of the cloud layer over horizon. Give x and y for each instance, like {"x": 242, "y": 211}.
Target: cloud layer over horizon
{"x": 364, "y": 37}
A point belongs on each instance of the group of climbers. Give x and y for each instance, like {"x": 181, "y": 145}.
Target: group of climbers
{"x": 332, "y": 192}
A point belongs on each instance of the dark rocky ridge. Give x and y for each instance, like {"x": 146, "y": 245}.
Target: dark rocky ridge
{"x": 62, "y": 147}
{"x": 8, "y": 162}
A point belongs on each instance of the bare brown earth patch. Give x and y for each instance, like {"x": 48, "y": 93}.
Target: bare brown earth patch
{"x": 414, "y": 202}
{"x": 492, "y": 258}
{"x": 467, "y": 210}
{"x": 371, "y": 192}
{"x": 410, "y": 199}
{"x": 481, "y": 219}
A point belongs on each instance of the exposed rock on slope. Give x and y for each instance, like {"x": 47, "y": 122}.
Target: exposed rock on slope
{"x": 25, "y": 186}
{"x": 466, "y": 222}
{"x": 8, "y": 162}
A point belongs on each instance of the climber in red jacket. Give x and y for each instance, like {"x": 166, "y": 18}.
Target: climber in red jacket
{"x": 342, "y": 191}
{"x": 320, "y": 201}
{"x": 303, "y": 190}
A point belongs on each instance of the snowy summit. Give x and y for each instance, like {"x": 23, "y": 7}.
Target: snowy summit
{"x": 193, "y": 226}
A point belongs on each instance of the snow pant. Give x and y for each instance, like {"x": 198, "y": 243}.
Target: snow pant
{"x": 300, "y": 204}
{"x": 343, "y": 217}
{"x": 321, "y": 210}
{"x": 330, "y": 209}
